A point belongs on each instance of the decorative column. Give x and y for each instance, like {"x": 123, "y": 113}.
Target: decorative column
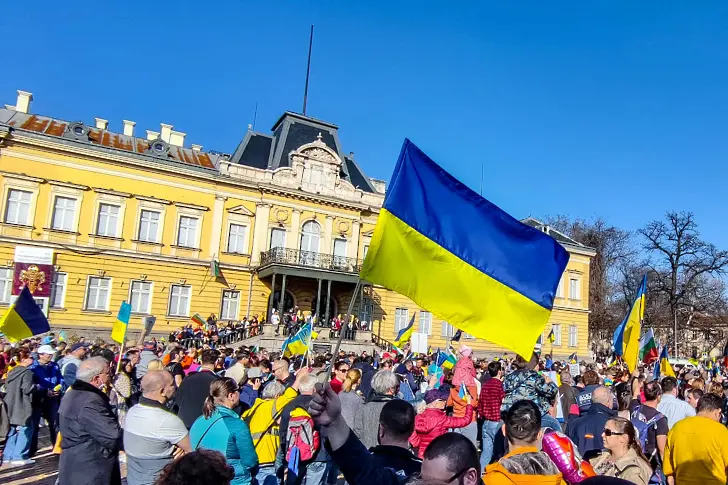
{"x": 328, "y": 233}
{"x": 260, "y": 231}
{"x": 294, "y": 238}
{"x": 269, "y": 305}
{"x": 282, "y": 300}
{"x": 353, "y": 248}
{"x": 318, "y": 303}
{"x": 216, "y": 231}
{"x": 328, "y": 302}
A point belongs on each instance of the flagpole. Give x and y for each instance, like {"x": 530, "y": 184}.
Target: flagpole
{"x": 345, "y": 326}
{"x": 121, "y": 349}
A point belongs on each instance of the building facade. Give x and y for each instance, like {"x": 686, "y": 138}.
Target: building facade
{"x": 287, "y": 218}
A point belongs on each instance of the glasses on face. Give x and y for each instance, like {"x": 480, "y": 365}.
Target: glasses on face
{"x": 457, "y": 476}
{"x": 344, "y": 369}
{"x": 609, "y": 432}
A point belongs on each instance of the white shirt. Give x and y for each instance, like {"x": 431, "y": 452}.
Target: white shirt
{"x": 674, "y": 409}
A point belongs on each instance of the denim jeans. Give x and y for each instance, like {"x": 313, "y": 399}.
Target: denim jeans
{"x": 17, "y": 444}
{"x": 316, "y": 473}
{"x": 267, "y": 475}
{"x": 490, "y": 428}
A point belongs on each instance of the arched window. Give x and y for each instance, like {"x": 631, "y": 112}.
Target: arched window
{"x": 310, "y": 237}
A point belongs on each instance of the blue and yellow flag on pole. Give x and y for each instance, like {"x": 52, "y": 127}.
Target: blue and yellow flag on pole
{"x": 462, "y": 258}
{"x": 24, "y": 318}
{"x": 663, "y": 366}
{"x": 118, "y": 331}
{"x": 405, "y": 334}
{"x": 299, "y": 343}
{"x": 627, "y": 335}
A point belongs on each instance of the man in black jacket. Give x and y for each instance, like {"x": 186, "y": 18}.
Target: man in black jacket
{"x": 396, "y": 424}
{"x": 190, "y": 397}
{"x": 586, "y": 431}
{"x": 91, "y": 434}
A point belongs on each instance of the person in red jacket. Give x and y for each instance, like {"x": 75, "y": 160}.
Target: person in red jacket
{"x": 433, "y": 421}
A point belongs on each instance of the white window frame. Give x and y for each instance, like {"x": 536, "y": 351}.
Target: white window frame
{"x": 6, "y": 283}
{"x": 447, "y": 330}
{"x": 150, "y": 292}
{"x": 311, "y": 235}
{"x": 224, "y": 310}
{"x": 401, "y": 319}
{"x": 169, "y": 301}
{"x": 577, "y": 296}
{"x": 6, "y": 210}
{"x": 194, "y": 244}
{"x": 270, "y": 236}
{"x": 87, "y": 292}
{"x": 71, "y": 224}
{"x": 339, "y": 260}
{"x": 424, "y": 324}
{"x": 243, "y": 249}
{"x": 116, "y": 229}
{"x": 365, "y": 251}
{"x": 25, "y": 184}
{"x": 63, "y": 277}
{"x": 557, "y": 334}
{"x": 573, "y": 336}
{"x": 159, "y": 222}
{"x": 560, "y": 289}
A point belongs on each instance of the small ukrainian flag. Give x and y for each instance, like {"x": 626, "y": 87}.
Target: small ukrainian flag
{"x": 405, "y": 334}
{"x": 118, "y": 331}
{"x": 462, "y": 258}
{"x": 24, "y": 318}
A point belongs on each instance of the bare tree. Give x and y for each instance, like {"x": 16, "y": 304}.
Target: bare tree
{"x": 613, "y": 247}
{"x": 683, "y": 266}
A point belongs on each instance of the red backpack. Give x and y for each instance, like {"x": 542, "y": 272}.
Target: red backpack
{"x": 301, "y": 436}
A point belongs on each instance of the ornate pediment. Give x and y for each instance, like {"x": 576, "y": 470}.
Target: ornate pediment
{"x": 317, "y": 151}
{"x": 240, "y": 210}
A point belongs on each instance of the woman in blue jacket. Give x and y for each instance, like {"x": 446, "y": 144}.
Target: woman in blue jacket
{"x": 221, "y": 429}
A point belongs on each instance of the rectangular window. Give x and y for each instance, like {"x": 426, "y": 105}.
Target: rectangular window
{"x": 236, "y": 239}
{"x": 58, "y": 290}
{"x": 574, "y": 293}
{"x": 557, "y": 335}
{"x": 17, "y": 210}
{"x": 108, "y": 220}
{"x": 179, "y": 301}
{"x": 230, "y": 305}
{"x": 6, "y": 284}
{"x": 277, "y": 238}
{"x": 573, "y": 336}
{"x": 425, "y": 324}
{"x": 401, "y": 319}
{"x": 560, "y": 289}
{"x": 140, "y": 296}
{"x": 148, "y": 226}
{"x": 447, "y": 330}
{"x": 63, "y": 213}
{"x": 97, "y": 293}
{"x": 339, "y": 252}
{"x": 187, "y": 232}
{"x": 366, "y": 250}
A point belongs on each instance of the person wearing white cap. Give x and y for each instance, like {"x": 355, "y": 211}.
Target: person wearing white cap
{"x": 47, "y": 398}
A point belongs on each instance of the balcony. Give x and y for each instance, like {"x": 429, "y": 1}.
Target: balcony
{"x": 306, "y": 263}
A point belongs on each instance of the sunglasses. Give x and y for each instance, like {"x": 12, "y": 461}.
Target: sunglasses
{"x": 609, "y": 432}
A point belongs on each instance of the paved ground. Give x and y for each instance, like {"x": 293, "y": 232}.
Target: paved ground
{"x": 43, "y": 472}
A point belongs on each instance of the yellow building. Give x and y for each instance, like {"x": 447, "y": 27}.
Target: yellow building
{"x": 143, "y": 218}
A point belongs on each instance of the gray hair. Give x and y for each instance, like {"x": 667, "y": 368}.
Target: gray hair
{"x": 307, "y": 384}
{"x": 90, "y": 368}
{"x": 273, "y": 390}
{"x": 385, "y": 382}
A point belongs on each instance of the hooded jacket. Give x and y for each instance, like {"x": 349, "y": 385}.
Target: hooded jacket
{"x": 433, "y": 423}
{"x": 19, "y": 395}
{"x": 525, "y": 466}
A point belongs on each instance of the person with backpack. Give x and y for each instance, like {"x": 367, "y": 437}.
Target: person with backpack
{"x": 263, "y": 419}
{"x": 301, "y": 449}
{"x": 220, "y": 429}
{"x": 650, "y": 424}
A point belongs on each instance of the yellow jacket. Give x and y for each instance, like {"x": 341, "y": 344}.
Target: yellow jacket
{"x": 259, "y": 417}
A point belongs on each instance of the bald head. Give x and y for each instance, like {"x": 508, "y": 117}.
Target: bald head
{"x": 602, "y": 395}
{"x": 155, "y": 381}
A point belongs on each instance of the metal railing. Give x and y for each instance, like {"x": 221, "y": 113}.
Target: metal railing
{"x": 385, "y": 345}
{"x": 310, "y": 259}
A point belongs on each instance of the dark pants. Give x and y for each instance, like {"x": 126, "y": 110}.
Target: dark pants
{"x": 47, "y": 409}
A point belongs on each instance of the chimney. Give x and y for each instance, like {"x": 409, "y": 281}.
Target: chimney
{"x": 166, "y": 131}
{"x": 351, "y": 155}
{"x": 152, "y": 135}
{"x": 101, "y": 123}
{"x": 23, "y": 103}
{"x": 177, "y": 138}
{"x": 128, "y": 127}
{"x": 196, "y": 148}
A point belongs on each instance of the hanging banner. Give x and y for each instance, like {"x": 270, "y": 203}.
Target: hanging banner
{"x": 34, "y": 269}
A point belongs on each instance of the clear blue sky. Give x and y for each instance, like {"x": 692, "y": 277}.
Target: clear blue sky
{"x": 613, "y": 108}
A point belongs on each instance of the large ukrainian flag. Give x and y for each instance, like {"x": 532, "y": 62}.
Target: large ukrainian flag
{"x": 24, "y": 318}
{"x": 462, "y": 258}
{"x": 631, "y": 328}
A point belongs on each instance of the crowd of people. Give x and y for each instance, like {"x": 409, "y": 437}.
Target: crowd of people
{"x": 189, "y": 415}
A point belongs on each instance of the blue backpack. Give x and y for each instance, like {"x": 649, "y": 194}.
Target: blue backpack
{"x": 642, "y": 426}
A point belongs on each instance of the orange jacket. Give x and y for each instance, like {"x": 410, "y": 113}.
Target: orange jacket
{"x": 497, "y": 474}
{"x": 459, "y": 405}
